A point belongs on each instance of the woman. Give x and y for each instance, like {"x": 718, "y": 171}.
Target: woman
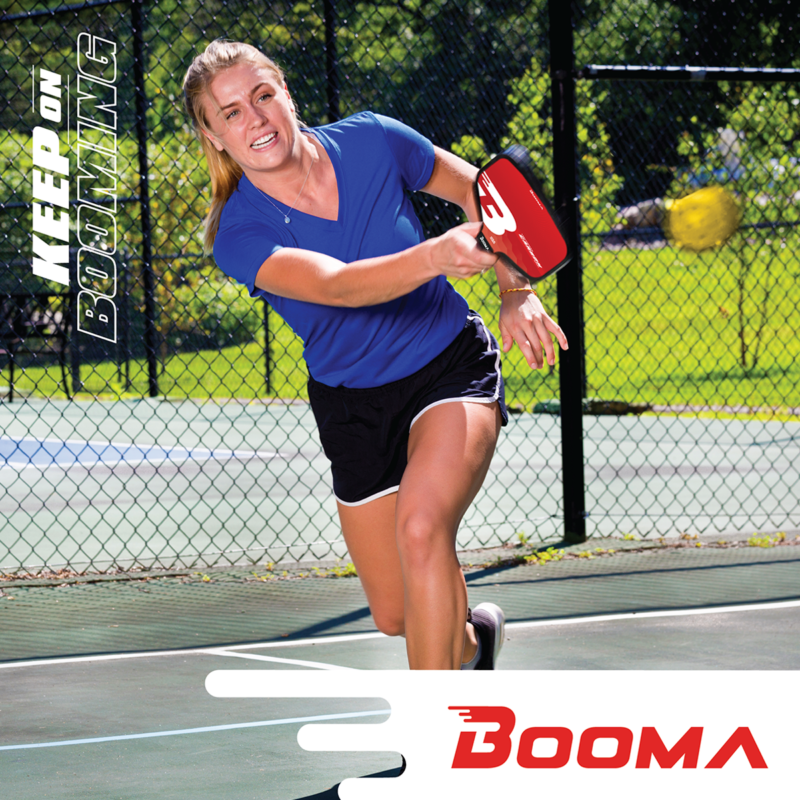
{"x": 405, "y": 382}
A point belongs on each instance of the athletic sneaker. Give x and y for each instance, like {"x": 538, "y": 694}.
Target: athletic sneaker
{"x": 489, "y": 622}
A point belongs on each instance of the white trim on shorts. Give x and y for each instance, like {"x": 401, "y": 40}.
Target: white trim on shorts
{"x": 493, "y": 399}
{"x": 376, "y": 496}
{"x": 453, "y": 400}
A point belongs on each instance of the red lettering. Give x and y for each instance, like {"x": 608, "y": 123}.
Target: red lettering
{"x": 651, "y": 745}
{"x": 526, "y": 758}
{"x": 687, "y": 748}
{"x": 586, "y": 758}
{"x": 500, "y": 739}
{"x": 741, "y": 737}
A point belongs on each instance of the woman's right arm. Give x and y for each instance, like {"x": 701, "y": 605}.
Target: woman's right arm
{"x": 317, "y": 278}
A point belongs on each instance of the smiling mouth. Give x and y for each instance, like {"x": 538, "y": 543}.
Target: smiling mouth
{"x": 264, "y": 141}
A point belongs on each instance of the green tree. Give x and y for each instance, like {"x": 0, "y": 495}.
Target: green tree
{"x": 645, "y": 118}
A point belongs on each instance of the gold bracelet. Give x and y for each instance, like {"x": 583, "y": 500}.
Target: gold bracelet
{"x": 523, "y": 289}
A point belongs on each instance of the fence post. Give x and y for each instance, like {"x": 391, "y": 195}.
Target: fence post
{"x": 144, "y": 197}
{"x": 331, "y": 61}
{"x": 124, "y": 339}
{"x": 569, "y": 290}
{"x": 267, "y": 365}
{"x": 72, "y": 326}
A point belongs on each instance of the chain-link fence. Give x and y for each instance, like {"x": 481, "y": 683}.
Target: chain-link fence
{"x": 705, "y": 340}
{"x": 154, "y": 415}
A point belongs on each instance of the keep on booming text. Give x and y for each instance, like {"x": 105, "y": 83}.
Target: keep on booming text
{"x": 96, "y": 222}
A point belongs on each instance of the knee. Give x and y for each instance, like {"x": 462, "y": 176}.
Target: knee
{"x": 419, "y": 537}
{"x": 389, "y": 624}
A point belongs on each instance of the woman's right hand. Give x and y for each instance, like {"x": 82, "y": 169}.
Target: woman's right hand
{"x": 457, "y": 253}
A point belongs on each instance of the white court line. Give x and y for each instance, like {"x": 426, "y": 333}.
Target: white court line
{"x": 678, "y": 612}
{"x": 355, "y": 637}
{"x": 185, "y": 453}
{"x": 345, "y": 637}
{"x": 203, "y": 651}
{"x": 129, "y": 462}
{"x": 127, "y": 445}
{"x": 108, "y": 657}
{"x": 209, "y": 729}
{"x": 298, "y": 662}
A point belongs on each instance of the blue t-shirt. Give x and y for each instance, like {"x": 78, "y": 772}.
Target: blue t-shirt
{"x": 376, "y": 160}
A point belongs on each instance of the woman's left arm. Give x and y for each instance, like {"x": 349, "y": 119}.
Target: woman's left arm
{"x": 522, "y": 317}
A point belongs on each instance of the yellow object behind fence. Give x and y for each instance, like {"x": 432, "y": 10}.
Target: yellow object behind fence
{"x": 704, "y": 219}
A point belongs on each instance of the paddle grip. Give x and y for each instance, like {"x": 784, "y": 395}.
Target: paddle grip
{"x": 483, "y": 243}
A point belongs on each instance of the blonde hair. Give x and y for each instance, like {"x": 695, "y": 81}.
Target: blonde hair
{"x": 224, "y": 171}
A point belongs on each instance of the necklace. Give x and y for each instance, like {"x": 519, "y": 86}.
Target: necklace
{"x": 286, "y": 215}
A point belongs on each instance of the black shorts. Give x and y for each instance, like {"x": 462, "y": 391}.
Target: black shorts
{"x": 364, "y": 432}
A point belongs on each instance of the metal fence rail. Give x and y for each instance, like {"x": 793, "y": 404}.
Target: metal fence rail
{"x": 185, "y": 439}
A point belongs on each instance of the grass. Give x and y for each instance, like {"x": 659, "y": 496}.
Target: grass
{"x": 237, "y": 371}
{"x": 661, "y": 327}
{"x": 665, "y": 327}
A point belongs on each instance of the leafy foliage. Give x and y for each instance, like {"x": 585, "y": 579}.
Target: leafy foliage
{"x": 219, "y": 309}
{"x": 532, "y": 126}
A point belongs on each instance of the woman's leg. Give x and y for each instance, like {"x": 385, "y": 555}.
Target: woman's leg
{"x": 370, "y": 536}
{"x": 449, "y": 452}
{"x": 369, "y": 531}
{"x": 450, "y": 449}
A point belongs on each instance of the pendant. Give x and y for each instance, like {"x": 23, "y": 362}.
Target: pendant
{"x": 286, "y": 220}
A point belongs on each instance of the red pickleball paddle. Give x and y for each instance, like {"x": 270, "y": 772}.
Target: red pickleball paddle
{"x": 518, "y": 222}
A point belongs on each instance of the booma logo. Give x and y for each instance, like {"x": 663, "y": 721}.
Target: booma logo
{"x": 496, "y": 747}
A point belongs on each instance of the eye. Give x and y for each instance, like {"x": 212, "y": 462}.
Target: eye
{"x": 261, "y": 97}
{"x": 230, "y": 116}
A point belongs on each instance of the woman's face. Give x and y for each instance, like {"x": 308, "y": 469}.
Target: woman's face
{"x": 251, "y": 116}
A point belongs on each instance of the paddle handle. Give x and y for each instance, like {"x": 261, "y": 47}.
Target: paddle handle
{"x": 483, "y": 243}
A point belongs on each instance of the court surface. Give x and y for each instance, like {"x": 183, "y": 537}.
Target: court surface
{"x": 156, "y": 482}
{"x": 102, "y": 684}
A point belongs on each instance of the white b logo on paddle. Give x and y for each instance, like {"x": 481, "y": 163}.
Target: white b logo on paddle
{"x": 497, "y": 218}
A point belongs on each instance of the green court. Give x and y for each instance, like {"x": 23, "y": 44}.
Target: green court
{"x": 172, "y": 484}
{"x": 102, "y": 682}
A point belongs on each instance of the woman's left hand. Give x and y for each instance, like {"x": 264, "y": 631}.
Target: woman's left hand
{"x": 523, "y": 320}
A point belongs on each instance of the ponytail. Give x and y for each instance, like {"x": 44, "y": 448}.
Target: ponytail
{"x": 225, "y": 174}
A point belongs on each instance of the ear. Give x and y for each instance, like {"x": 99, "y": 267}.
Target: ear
{"x": 213, "y": 139}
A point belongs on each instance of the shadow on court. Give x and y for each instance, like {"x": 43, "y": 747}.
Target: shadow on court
{"x": 102, "y": 684}
{"x": 333, "y": 792}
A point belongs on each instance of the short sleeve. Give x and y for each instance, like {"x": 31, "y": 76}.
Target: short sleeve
{"x": 240, "y": 250}
{"x": 412, "y": 151}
